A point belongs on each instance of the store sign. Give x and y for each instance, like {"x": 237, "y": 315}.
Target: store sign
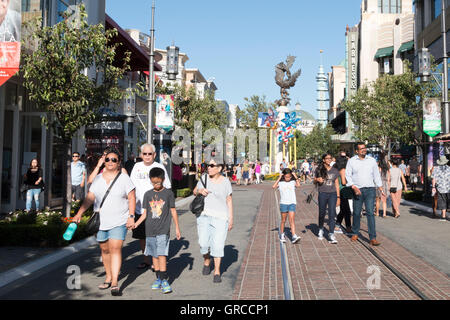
{"x": 352, "y": 61}
{"x": 432, "y": 117}
{"x": 10, "y": 24}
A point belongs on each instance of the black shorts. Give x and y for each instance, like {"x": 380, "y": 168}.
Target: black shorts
{"x": 78, "y": 191}
{"x": 443, "y": 201}
{"x": 139, "y": 232}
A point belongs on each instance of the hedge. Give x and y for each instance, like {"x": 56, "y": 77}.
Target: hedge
{"x": 183, "y": 193}
{"x": 413, "y": 195}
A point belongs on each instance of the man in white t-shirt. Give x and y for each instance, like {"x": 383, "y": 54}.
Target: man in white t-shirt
{"x": 140, "y": 175}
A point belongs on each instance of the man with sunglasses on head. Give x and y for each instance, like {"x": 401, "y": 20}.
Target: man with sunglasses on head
{"x": 78, "y": 174}
{"x": 140, "y": 175}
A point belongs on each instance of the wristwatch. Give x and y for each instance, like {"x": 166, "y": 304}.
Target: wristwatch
{"x": 131, "y": 216}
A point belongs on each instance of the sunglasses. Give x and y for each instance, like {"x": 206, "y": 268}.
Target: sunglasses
{"x": 111, "y": 159}
{"x": 147, "y": 153}
{"x": 213, "y": 165}
{"x": 74, "y": 156}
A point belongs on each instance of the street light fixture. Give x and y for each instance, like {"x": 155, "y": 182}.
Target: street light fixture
{"x": 172, "y": 62}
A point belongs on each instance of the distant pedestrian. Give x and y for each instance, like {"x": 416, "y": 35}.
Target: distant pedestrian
{"x": 258, "y": 172}
{"x": 286, "y": 184}
{"x": 326, "y": 177}
{"x": 129, "y": 164}
{"x": 346, "y": 196}
{"x": 116, "y": 215}
{"x": 33, "y": 179}
{"x": 78, "y": 174}
{"x": 385, "y": 179}
{"x": 251, "y": 173}
{"x": 414, "y": 169}
{"x": 441, "y": 184}
{"x": 395, "y": 186}
{"x": 363, "y": 176}
{"x": 216, "y": 220}
{"x": 245, "y": 171}
{"x": 158, "y": 209}
{"x": 238, "y": 174}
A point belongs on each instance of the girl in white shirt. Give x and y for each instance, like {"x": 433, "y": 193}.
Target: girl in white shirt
{"x": 286, "y": 183}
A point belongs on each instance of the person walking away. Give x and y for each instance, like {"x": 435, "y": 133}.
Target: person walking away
{"x": 130, "y": 163}
{"x": 440, "y": 180}
{"x": 238, "y": 174}
{"x": 78, "y": 174}
{"x": 141, "y": 179}
{"x": 245, "y": 172}
{"x": 414, "y": 169}
{"x": 363, "y": 176}
{"x": 116, "y": 215}
{"x": 177, "y": 177}
{"x": 385, "y": 178}
{"x": 286, "y": 184}
{"x": 395, "y": 186}
{"x": 326, "y": 177}
{"x": 258, "y": 172}
{"x": 346, "y": 195}
{"x": 33, "y": 179}
{"x": 216, "y": 220}
{"x": 158, "y": 209}
{"x": 434, "y": 196}
{"x": 251, "y": 172}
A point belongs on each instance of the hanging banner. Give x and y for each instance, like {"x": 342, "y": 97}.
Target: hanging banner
{"x": 432, "y": 117}
{"x": 10, "y": 24}
{"x": 164, "y": 112}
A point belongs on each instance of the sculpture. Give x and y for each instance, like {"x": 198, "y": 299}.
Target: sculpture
{"x": 285, "y": 80}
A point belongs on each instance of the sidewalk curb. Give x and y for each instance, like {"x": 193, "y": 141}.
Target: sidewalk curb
{"x": 31, "y": 267}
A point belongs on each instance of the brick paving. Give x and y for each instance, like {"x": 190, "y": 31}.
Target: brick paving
{"x": 323, "y": 271}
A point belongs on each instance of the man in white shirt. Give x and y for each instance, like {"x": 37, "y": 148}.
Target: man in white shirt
{"x": 140, "y": 175}
{"x": 363, "y": 177}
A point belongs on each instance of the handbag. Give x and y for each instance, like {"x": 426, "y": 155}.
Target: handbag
{"x": 393, "y": 190}
{"x": 93, "y": 224}
{"x": 197, "y": 205}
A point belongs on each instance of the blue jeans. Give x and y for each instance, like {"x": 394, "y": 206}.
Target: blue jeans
{"x": 368, "y": 198}
{"x": 32, "y": 194}
{"x": 327, "y": 200}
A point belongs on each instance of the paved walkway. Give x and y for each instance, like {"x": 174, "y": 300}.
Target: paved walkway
{"x": 320, "y": 270}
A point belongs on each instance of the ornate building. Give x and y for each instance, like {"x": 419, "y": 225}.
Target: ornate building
{"x": 322, "y": 100}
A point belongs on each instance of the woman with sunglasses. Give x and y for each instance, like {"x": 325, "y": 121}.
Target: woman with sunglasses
{"x": 116, "y": 215}
{"x": 216, "y": 219}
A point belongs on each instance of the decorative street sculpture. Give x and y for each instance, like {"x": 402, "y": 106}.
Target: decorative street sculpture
{"x": 285, "y": 79}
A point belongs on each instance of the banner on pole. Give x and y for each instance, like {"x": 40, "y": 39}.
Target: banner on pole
{"x": 10, "y": 25}
{"x": 165, "y": 107}
{"x": 432, "y": 116}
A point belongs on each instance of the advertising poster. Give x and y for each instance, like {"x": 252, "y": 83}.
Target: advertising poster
{"x": 164, "y": 112}
{"x": 267, "y": 119}
{"x": 432, "y": 116}
{"x": 10, "y": 24}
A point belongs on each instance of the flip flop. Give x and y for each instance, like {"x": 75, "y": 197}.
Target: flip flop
{"x": 115, "y": 291}
{"x": 105, "y": 285}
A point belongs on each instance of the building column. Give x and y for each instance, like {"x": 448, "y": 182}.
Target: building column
{"x": 2, "y": 120}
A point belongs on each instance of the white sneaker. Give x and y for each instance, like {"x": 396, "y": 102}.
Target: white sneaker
{"x": 295, "y": 238}
{"x": 320, "y": 234}
{"x": 282, "y": 238}
{"x": 338, "y": 229}
{"x": 332, "y": 238}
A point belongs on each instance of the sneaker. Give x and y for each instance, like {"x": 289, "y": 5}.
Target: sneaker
{"x": 217, "y": 278}
{"x": 165, "y": 286}
{"x": 206, "y": 270}
{"x": 320, "y": 234}
{"x": 157, "y": 284}
{"x": 332, "y": 238}
{"x": 282, "y": 238}
{"x": 338, "y": 229}
{"x": 295, "y": 238}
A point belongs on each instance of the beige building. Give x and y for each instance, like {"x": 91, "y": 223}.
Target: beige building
{"x": 386, "y": 35}
{"x": 336, "y": 87}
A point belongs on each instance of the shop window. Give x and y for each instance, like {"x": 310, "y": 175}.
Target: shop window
{"x": 385, "y": 66}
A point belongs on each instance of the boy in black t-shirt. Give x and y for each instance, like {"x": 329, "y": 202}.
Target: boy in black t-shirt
{"x": 159, "y": 205}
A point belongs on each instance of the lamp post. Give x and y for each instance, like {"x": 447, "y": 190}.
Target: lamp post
{"x": 297, "y": 109}
{"x": 151, "y": 86}
{"x": 445, "y": 67}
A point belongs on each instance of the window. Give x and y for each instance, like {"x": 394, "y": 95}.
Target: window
{"x": 385, "y": 66}
{"x": 63, "y": 5}
{"x": 389, "y": 6}
{"x": 436, "y": 6}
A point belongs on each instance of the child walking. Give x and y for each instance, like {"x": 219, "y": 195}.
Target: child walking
{"x": 286, "y": 183}
{"x": 159, "y": 206}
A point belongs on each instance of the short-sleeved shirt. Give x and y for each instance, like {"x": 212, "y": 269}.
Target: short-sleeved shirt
{"x": 157, "y": 205}
{"x": 216, "y": 200}
{"x": 115, "y": 211}
{"x": 76, "y": 172}
{"x": 328, "y": 185}
{"x": 442, "y": 176}
{"x": 413, "y": 166}
{"x": 287, "y": 192}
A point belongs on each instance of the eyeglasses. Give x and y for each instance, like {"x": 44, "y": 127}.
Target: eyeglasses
{"x": 147, "y": 153}
{"x": 213, "y": 165}
{"x": 111, "y": 159}
{"x": 327, "y": 158}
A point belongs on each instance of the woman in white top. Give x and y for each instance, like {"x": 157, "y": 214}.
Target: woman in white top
{"x": 116, "y": 215}
{"x": 395, "y": 183}
{"x": 216, "y": 219}
{"x": 286, "y": 183}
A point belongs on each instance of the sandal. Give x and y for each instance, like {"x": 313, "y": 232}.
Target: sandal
{"x": 115, "y": 291}
{"x": 105, "y": 285}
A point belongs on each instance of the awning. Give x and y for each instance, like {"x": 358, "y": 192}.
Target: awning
{"x": 384, "y": 52}
{"x": 406, "y": 46}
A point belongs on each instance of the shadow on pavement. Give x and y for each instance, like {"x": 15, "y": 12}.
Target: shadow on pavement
{"x": 230, "y": 257}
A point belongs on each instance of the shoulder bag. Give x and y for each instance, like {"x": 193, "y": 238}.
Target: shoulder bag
{"x": 198, "y": 204}
{"x": 93, "y": 224}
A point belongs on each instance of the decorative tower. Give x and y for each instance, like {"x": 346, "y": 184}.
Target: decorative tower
{"x": 322, "y": 91}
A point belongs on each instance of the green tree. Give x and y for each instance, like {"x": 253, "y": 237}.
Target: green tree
{"x": 316, "y": 143}
{"x": 55, "y": 76}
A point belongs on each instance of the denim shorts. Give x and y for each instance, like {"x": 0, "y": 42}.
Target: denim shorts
{"x": 212, "y": 233}
{"x": 117, "y": 233}
{"x": 157, "y": 246}
{"x": 287, "y": 207}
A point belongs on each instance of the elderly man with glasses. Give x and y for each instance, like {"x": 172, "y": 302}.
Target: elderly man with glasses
{"x": 140, "y": 176}
{"x": 363, "y": 177}
{"x": 78, "y": 174}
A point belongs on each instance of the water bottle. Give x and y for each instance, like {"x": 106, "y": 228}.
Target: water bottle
{"x": 70, "y": 231}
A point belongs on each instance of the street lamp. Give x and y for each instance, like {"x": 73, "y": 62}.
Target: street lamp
{"x": 172, "y": 62}
{"x": 151, "y": 87}
{"x": 424, "y": 64}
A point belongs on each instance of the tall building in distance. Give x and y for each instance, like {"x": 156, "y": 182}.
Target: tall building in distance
{"x": 322, "y": 92}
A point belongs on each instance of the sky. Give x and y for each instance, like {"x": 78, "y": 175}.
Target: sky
{"x": 238, "y": 43}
